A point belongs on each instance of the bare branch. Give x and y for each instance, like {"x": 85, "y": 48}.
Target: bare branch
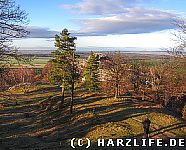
{"x": 12, "y": 21}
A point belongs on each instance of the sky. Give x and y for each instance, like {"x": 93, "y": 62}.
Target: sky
{"x": 144, "y": 24}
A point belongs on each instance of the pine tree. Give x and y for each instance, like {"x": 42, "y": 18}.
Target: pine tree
{"x": 90, "y": 74}
{"x": 64, "y": 70}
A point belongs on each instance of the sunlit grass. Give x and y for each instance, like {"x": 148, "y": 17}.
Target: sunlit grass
{"x": 95, "y": 116}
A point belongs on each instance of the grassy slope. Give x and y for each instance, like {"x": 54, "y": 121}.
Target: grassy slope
{"x": 53, "y": 129}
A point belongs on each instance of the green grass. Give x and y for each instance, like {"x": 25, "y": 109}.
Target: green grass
{"x": 37, "y": 62}
{"x": 41, "y": 60}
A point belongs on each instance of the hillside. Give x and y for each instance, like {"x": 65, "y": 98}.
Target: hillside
{"x": 25, "y": 125}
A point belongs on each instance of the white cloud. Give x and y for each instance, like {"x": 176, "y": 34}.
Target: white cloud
{"x": 149, "y": 40}
{"x": 34, "y": 43}
{"x": 135, "y": 21}
{"x": 101, "y": 7}
{"x": 120, "y": 17}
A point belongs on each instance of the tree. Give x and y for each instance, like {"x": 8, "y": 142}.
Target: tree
{"x": 91, "y": 72}
{"x": 116, "y": 67}
{"x": 12, "y": 19}
{"x": 168, "y": 82}
{"x": 135, "y": 76}
{"x": 180, "y": 36}
{"x": 139, "y": 75}
{"x": 22, "y": 77}
{"x": 64, "y": 70}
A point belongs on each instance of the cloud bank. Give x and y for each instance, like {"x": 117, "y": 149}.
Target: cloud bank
{"x": 119, "y": 17}
{"x": 112, "y": 17}
{"x": 41, "y": 32}
{"x": 97, "y": 7}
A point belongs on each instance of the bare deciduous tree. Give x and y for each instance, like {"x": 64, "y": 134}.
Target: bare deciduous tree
{"x": 116, "y": 67}
{"x": 12, "y": 19}
{"x": 180, "y": 37}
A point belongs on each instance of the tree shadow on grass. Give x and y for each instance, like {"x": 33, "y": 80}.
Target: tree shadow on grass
{"x": 65, "y": 126}
{"x": 89, "y": 99}
{"x": 81, "y": 127}
{"x": 112, "y": 117}
{"x": 168, "y": 128}
{"x": 45, "y": 90}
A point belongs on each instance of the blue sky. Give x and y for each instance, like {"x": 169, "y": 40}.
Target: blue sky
{"x": 102, "y": 23}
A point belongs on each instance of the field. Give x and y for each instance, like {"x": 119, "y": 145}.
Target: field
{"x": 96, "y": 115}
{"x": 39, "y": 60}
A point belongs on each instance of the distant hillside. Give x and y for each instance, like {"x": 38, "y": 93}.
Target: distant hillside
{"x": 46, "y": 50}
{"x": 84, "y": 54}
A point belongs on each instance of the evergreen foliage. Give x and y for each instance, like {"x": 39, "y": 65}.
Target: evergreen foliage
{"x": 91, "y": 73}
{"x": 64, "y": 69}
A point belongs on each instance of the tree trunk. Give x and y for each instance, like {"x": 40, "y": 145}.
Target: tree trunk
{"x": 72, "y": 97}
{"x": 62, "y": 93}
{"x": 117, "y": 90}
{"x": 136, "y": 87}
{"x": 157, "y": 95}
{"x": 72, "y": 85}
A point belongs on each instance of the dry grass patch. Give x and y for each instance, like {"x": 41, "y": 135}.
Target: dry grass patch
{"x": 108, "y": 130}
